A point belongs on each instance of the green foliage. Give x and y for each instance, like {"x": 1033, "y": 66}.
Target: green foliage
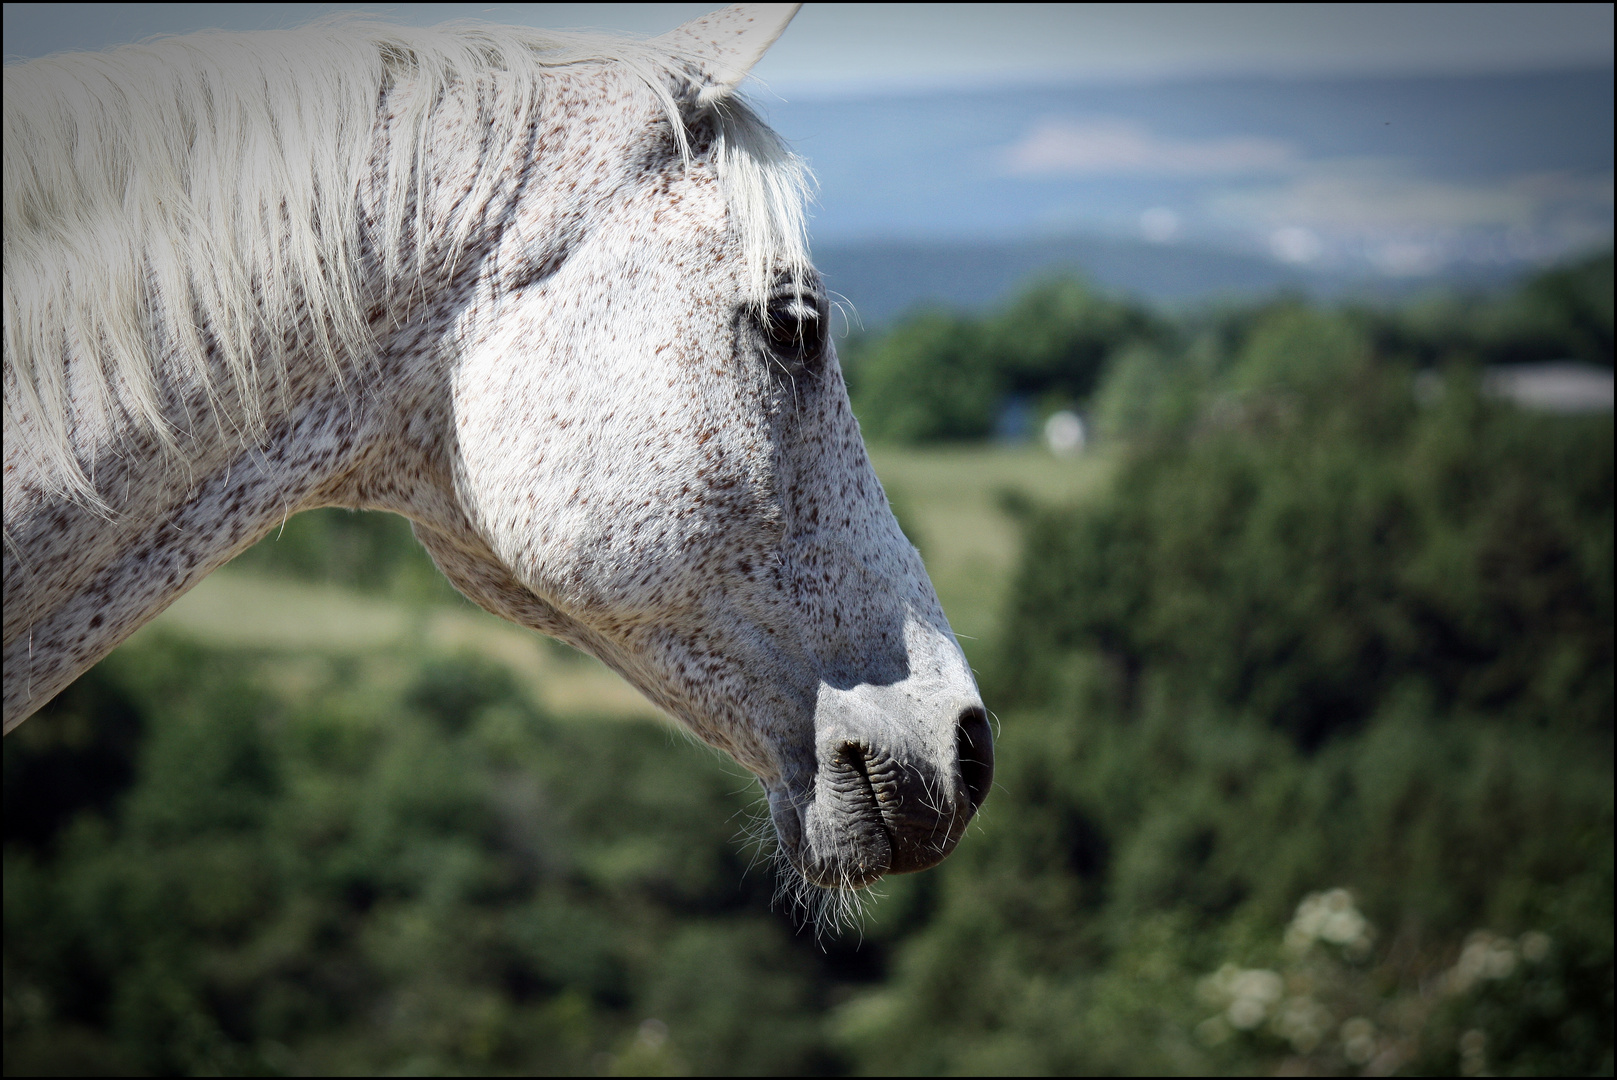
{"x": 371, "y": 552}
{"x": 1316, "y": 635}
{"x": 1564, "y": 313}
{"x": 1312, "y": 541}
{"x": 925, "y": 382}
{"x": 1569, "y": 310}
{"x": 937, "y": 377}
{"x": 1055, "y": 339}
{"x": 373, "y": 873}
{"x": 941, "y": 377}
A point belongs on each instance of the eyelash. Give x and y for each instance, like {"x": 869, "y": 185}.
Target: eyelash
{"x": 794, "y": 331}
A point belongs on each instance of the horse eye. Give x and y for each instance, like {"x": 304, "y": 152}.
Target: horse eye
{"x": 795, "y": 332}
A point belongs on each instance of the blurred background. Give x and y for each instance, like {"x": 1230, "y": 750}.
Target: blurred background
{"x": 1243, "y": 374}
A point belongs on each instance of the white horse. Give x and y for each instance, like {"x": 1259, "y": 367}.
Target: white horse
{"x": 547, "y": 296}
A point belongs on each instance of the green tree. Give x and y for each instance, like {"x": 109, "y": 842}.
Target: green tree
{"x": 927, "y": 381}
{"x": 938, "y": 377}
{"x": 1057, "y": 337}
{"x": 1316, "y": 635}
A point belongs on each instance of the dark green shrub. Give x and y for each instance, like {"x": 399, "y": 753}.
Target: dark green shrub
{"x": 340, "y": 866}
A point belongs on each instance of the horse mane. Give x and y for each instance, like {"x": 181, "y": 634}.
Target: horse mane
{"x": 242, "y": 154}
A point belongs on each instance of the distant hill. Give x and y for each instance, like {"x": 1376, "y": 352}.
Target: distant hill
{"x": 882, "y": 280}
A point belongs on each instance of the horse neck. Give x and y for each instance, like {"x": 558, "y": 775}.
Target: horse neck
{"x": 366, "y": 432}
{"x": 79, "y": 578}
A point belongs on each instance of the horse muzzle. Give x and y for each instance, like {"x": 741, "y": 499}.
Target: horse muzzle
{"x": 876, "y": 808}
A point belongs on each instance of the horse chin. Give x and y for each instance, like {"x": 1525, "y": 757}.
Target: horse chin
{"x": 832, "y": 835}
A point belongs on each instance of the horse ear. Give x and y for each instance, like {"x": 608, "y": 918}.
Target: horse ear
{"x": 729, "y": 42}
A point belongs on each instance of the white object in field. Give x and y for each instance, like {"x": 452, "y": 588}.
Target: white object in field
{"x": 1563, "y": 387}
{"x": 1064, "y": 433}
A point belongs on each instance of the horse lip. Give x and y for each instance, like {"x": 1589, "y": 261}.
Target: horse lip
{"x": 872, "y": 802}
{"x": 923, "y": 820}
{"x": 866, "y": 813}
{"x": 851, "y": 765}
{"x": 834, "y": 833}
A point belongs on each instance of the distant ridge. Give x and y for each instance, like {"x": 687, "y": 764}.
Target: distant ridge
{"x": 884, "y": 279}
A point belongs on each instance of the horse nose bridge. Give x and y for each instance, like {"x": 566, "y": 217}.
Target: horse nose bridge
{"x": 912, "y": 720}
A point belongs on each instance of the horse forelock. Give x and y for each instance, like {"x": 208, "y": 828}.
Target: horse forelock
{"x": 207, "y": 184}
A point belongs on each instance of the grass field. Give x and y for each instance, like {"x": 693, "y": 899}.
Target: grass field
{"x": 950, "y": 500}
{"x": 232, "y": 608}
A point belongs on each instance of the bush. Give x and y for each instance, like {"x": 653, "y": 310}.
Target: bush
{"x": 369, "y": 552}
{"x": 1311, "y": 541}
{"x": 1564, "y": 313}
{"x": 1319, "y": 649}
{"x": 328, "y": 866}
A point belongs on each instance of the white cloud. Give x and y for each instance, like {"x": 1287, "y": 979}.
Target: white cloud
{"x": 1336, "y": 197}
{"x": 1160, "y": 225}
{"x": 1409, "y": 225}
{"x": 1372, "y": 198}
{"x": 1295, "y": 244}
{"x": 1109, "y": 147}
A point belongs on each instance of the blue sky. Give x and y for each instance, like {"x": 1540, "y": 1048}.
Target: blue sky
{"x": 1388, "y": 139}
{"x": 852, "y": 48}
{"x": 1399, "y": 175}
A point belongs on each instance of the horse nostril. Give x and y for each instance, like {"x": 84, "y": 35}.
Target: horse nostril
{"x": 974, "y": 745}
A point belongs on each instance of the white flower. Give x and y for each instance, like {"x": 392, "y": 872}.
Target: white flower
{"x": 1303, "y": 1022}
{"x": 1328, "y": 916}
{"x": 1535, "y": 946}
{"x": 1245, "y": 1013}
{"x": 1358, "y": 1040}
{"x": 1260, "y": 985}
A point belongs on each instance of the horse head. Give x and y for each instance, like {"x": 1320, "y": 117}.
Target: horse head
{"x": 556, "y": 308}
{"x": 654, "y": 448}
